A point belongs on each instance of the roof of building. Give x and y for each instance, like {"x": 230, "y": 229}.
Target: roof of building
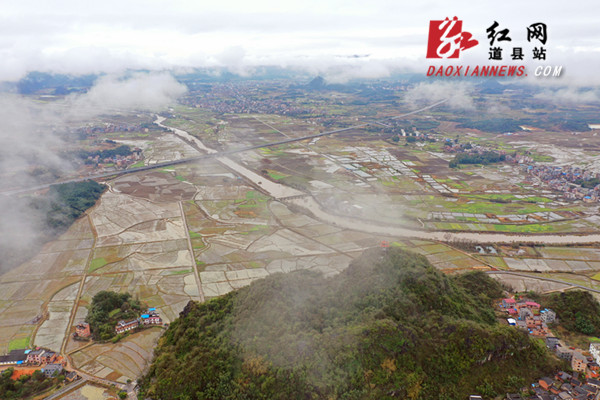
{"x": 14, "y": 356}
{"x": 125, "y": 323}
{"x": 589, "y": 388}
{"x": 561, "y": 349}
{"x": 564, "y": 376}
{"x": 594, "y": 382}
{"x": 71, "y": 374}
{"x": 547, "y": 380}
{"x": 509, "y": 300}
{"x": 53, "y": 367}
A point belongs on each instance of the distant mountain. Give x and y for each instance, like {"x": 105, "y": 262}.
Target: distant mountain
{"x": 317, "y": 83}
{"x": 62, "y": 84}
{"x": 389, "y": 326}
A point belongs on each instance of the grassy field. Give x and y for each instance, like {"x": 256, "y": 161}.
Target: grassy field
{"x": 19, "y": 343}
{"x": 97, "y": 263}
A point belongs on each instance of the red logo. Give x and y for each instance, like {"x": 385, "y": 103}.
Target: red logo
{"x": 447, "y": 39}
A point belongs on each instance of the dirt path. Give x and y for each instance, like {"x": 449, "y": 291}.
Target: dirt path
{"x": 81, "y": 284}
{"x": 191, "y": 250}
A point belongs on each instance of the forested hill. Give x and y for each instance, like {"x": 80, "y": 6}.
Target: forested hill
{"x": 390, "y": 326}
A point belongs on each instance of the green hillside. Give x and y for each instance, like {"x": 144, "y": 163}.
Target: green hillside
{"x": 390, "y": 326}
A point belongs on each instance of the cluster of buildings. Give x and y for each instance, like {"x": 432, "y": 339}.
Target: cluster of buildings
{"x": 50, "y": 363}
{"x": 244, "y": 97}
{"x": 519, "y": 158}
{"x": 586, "y": 365}
{"x": 149, "y": 318}
{"x": 108, "y": 127}
{"x": 528, "y": 315}
{"x": 117, "y": 161}
{"x": 563, "y": 179}
{"x": 564, "y": 386}
{"x": 583, "y": 384}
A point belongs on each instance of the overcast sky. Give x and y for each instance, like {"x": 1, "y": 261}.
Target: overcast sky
{"x": 79, "y": 36}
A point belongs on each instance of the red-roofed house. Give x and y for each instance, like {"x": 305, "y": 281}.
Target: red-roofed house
{"x": 532, "y": 304}
{"x": 545, "y": 383}
{"x": 506, "y": 303}
{"x": 83, "y": 329}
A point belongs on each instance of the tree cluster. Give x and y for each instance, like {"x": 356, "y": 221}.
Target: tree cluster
{"x": 24, "y": 386}
{"x": 107, "y": 309}
{"x": 122, "y": 151}
{"x": 485, "y": 158}
{"x": 577, "y": 310}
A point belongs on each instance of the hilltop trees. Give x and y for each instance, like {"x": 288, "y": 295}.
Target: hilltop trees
{"x": 390, "y": 325}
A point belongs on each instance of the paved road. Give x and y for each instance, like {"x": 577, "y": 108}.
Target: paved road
{"x": 213, "y": 155}
{"x": 542, "y": 279}
{"x": 71, "y": 386}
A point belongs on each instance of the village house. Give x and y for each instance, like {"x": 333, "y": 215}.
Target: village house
{"x": 552, "y": 342}
{"x": 41, "y": 356}
{"x": 546, "y": 383}
{"x": 533, "y": 306}
{"x": 14, "y": 357}
{"x": 564, "y": 353}
{"x": 578, "y": 362}
{"x": 48, "y": 357}
{"x": 525, "y": 313}
{"x": 51, "y": 370}
{"x": 71, "y": 376}
{"x": 548, "y": 316}
{"x": 83, "y": 329}
{"x": 595, "y": 351}
{"x": 508, "y": 303}
{"x": 593, "y": 382}
{"x": 123, "y": 326}
{"x": 593, "y": 370}
{"x": 151, "y": 318}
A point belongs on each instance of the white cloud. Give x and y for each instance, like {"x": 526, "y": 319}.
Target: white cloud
{"x": 32, "y": 134}
{"x": 457, "y": 93}
{"x": 141, "y": 91}
{"x": 569, "y": 95}
{"x": 111, "y": 36}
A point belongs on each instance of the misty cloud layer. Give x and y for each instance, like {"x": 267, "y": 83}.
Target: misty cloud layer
{"x": 569, "y": 95}
{"x": 457, "y": 93}
{"x": 33, "y": 134}
{"x": 111, "y": 36}
{"x": 142, "y": 91}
